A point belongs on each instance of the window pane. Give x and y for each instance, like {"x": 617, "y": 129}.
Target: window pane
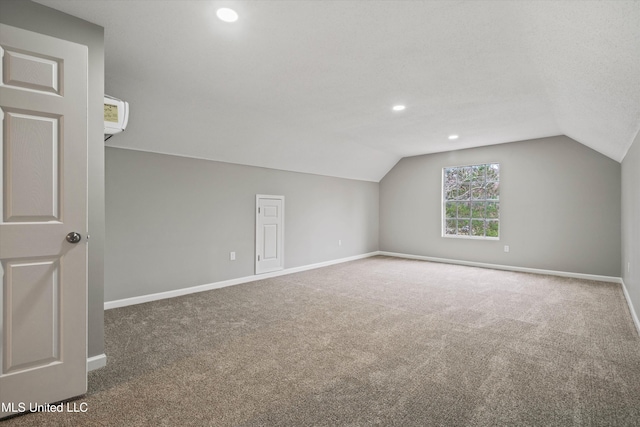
{"x": 464, "y": 210}
{"x": 493, "y": 210}
{"x": 493, "y": 190}
{"x": 493, "y": 172}
{"x": 477, "y": 192}
{"x": 450, "y": 226}
{"x": 492, "y": 228}
{"x": 479, "y": 173}
{"x": 463, "y": 227}
{"x": 478, "y": 210}
{"x": 451, "y": 210}
{"x": 465, "y": 174}
{"x": 450, "y": 175}
{"x": 464, "y": 192}
{"x": 477, "y": 227}
{"x": 450, "y": 184}
{"x": 451, "y": 194}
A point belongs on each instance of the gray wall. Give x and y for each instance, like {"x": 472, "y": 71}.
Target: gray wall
{"x": 35, "y": 17}
{"x": 172, "y": 221}
{"x": 560, "y": 207}
{"x": 631, "y": 223}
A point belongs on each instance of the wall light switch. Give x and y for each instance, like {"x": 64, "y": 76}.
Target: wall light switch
{"x": 339, "y": 242}
{"x": 506, "y": 248}
{"x": 232, "y": 256}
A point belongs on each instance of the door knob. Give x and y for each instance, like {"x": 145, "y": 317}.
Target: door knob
{"x": 73, "y": 237}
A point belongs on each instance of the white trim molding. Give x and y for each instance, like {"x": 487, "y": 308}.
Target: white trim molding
{"x": 222, "y": 284}
{"x": 96, "y": 362}
{"x": 632, "y": 310}
{"x": 507, "y": 267}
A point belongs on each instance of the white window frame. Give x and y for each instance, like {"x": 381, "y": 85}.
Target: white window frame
{"x": 443, "y": 224}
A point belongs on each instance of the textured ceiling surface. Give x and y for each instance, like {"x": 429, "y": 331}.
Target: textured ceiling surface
{"x": 308, "y": 85}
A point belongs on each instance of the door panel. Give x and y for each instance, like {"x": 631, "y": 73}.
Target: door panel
{"x": 32, "y": 340}
{"x": 30, "y": 143}
{"x": 269, "y": 233}
{"x": 270, "y": 246}
{"x": 43, "y": 149}
{"x": 31, "y": 71}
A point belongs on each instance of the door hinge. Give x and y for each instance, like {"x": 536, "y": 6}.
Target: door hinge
{"x": 258, "y": 257}
{"x": 258, "y": 210}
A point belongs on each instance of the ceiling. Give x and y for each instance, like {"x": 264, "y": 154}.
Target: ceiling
{"x": 308, "y": 86}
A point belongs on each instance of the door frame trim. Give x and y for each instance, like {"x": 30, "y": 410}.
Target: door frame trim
{"x": 255, "y": 255}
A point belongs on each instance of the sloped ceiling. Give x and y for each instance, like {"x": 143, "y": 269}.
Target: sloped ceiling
{"x": 308, "y": 85}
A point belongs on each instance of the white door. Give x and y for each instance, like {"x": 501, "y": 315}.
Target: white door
{"x": 43, "y": 308}
{"x": 269, "y": 233}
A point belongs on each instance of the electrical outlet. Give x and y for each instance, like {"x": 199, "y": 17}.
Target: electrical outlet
{"x": 232, "y": 256}
{"x": 506, "y": 248}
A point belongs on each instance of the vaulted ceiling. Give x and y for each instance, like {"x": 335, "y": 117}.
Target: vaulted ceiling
{"x": 309, "y": 85}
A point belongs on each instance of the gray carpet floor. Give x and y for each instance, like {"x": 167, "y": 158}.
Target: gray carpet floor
{"x": 379, "y": 341}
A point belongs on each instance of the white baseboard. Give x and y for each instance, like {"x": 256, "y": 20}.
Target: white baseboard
{"x": 507, "y": 267}
{"x": 96, "y": 362}
{"x": 634, "y": 314}
{"x": 222, "y": 284}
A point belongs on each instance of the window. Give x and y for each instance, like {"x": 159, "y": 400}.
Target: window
{"x": 471, "y": 201}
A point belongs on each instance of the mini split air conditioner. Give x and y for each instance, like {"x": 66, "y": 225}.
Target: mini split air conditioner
{"x": 116, "y": 116}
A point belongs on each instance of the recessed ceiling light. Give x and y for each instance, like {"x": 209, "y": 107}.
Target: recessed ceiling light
{"x": 398, "y": 107}
{"x": 227, "y": 15}
{"x": 453, "y": 136}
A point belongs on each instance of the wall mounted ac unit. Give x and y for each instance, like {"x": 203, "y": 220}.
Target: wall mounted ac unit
{"x": 116, "y": 115}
